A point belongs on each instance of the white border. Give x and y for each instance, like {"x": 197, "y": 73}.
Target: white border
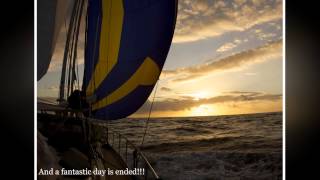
{"x": 35, "y": 89}
{"x": 283, "y": 89}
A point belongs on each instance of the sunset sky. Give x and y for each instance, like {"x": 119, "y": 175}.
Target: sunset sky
{"x": 226, "y": 58}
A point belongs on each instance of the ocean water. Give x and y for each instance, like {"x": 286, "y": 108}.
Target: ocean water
{"x": 217, "y": 147}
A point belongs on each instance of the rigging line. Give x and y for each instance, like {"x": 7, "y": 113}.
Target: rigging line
{"x": 77, "y": 74}
{"x": 66, "y": 29}
{"x": 109, "y": 32}
{"x": 85, "y": 52}
{"x": 72, "y": 46}
{"x": 73, "y": 49}
{"x": 76, "y": 45}
{"x": 76, "y": 50}
{"x": 93, "y": 57}
{"x": 84, "y": 79}
{"x": 65, "y": 56}
{"x": 150, "y": 110}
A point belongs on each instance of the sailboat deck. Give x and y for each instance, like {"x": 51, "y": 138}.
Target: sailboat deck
{"x": 67, "y": 137}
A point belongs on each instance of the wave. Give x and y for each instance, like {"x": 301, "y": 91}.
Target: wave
{"x": 221, "y": 147}
{"x": 219, "y": 165}
{"x": 189, "y": 130}
{"x": 234, "y": 144}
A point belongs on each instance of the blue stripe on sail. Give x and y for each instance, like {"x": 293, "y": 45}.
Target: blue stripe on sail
{"x": 119, "y": 110}
{"x": 93, "y": 38}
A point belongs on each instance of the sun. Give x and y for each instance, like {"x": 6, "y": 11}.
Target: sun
{"x": 199, "y": 95}
{"x": 202, "y": 110}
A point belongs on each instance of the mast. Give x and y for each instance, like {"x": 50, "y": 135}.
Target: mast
{"x": 73, "y": 31}
{"x": 75, "y": 44}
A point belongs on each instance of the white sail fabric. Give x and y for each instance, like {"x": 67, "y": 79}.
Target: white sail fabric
{"x": 51, "y": 16}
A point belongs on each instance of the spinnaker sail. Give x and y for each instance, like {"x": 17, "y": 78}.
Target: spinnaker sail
{"x": 127, "y": 42}
{"x": 53, "y": 14}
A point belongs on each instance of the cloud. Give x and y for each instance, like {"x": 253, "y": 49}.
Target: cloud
{"x": 266, "y": 36}
{"x": 186, "y": 103}
{"x": 226, "y": 47}
{"x": 199, "y": 20}
{"x": 243, "y": 92}
{"x": 236, "y": 61}
{"x": 202, "y": 19}
{"x": 166, "y": 89}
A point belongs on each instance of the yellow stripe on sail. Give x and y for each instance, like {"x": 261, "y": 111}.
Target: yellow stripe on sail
{"x": 147, "y": 74}
{"x": 111, "y": 28}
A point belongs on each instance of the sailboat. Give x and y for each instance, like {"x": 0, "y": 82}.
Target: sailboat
{"x": 126, "y": 43}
